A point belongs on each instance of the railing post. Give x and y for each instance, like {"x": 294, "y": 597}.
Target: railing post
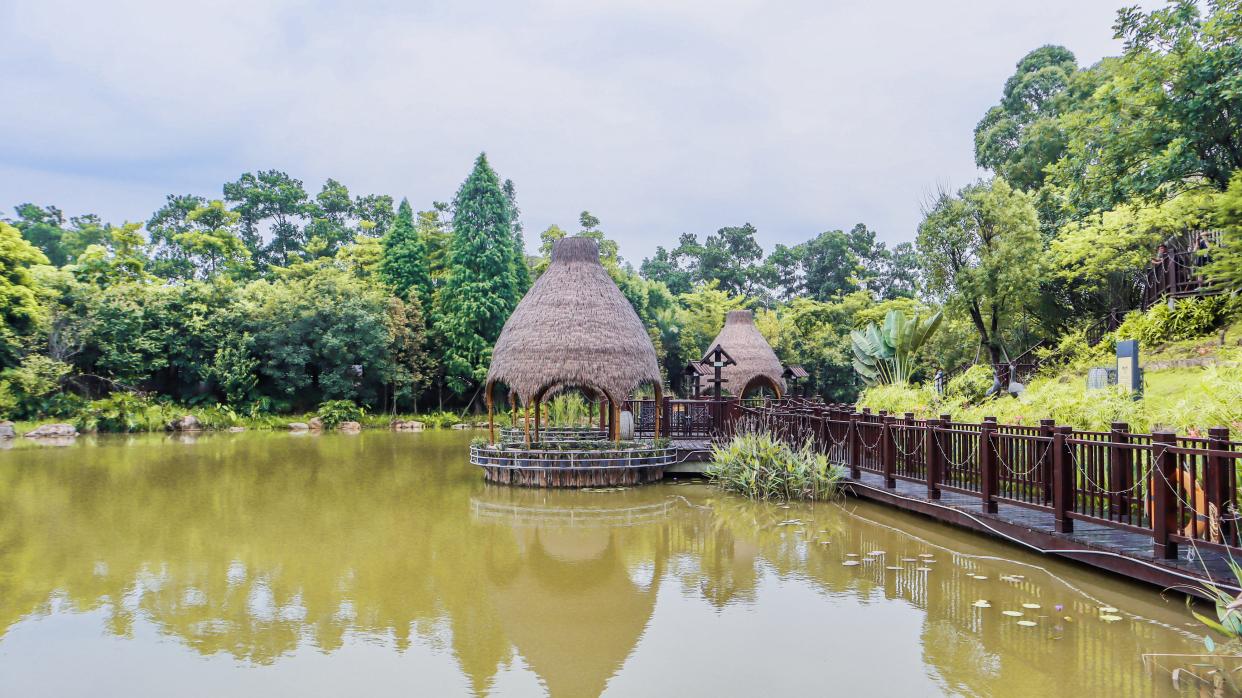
{"x": 1045, "y": 461}
{"x": 1118, "y": 468}
{"x": 931, "y": 457}
{"x": 1063, "y": 478}
{"x": 853, "y": 446}
{"x": 1164, "y": 499}
{"x": 988, "y": 480}
{"x": 886, "y": 449}
{"x": 665, "y": 420}
{"x": 1218, "y": 473}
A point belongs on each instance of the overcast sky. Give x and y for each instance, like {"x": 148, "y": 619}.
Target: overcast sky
{"x": 659, "y": 117}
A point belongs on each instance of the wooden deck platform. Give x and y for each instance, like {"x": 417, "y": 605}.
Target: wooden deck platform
{"x": 1103, "y": 547}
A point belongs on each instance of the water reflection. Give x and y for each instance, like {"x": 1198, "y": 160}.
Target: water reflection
{"x": 255, "y": 546}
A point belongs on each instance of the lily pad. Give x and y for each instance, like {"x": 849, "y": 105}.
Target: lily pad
{"x": 923, "y": 569}
{"x": 982, "y": 603}
{"x": 895, "y": 567}
{"x": 850, "y": 563}
{"x": 1027, "y": 623}
{"x": 1015, "y": 614}
{"x": 1030, "y": 605}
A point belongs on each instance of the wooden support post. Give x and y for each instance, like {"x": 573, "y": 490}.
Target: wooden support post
{"x": 887, "y": 449}
{"x": 989, "y": 469}
{"x": 1118, "y": 469}
{"x": 1064, "y": 478}
{"x": 854, "y": 446}
{"x": 491, "y": 421}
{"x": 616, "y": 423}
{"x": 526, "y": 424}
{"x": 538, "y": 418}
{"x": 1164, "y": 498}
{"x": 1218, "y": 474}
{"x": 1045, "y": 459}
{"x": 602, "y": 404}
{"x": 932, "y": 457}
{"x": 659, "y": 402}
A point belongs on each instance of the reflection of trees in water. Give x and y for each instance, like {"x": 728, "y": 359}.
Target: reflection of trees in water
{"x": 256, "y": 545}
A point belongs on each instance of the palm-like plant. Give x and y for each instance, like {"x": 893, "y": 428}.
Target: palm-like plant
{"x": 886, "y": 354}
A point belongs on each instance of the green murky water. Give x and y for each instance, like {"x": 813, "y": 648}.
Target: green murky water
{"x": 381, "y": 564}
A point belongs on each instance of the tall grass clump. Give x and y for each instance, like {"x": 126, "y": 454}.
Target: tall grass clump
{"x": 761, "y": 467}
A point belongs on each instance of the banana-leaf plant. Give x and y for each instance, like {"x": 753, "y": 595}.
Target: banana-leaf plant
{"x": 886, "y": 354}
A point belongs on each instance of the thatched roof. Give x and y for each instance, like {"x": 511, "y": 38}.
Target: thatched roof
{"x": 574, "y": 329}
{"x": 751, "y": 352}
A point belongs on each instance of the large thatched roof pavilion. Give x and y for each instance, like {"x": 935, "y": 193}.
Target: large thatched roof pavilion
{"x": 756, "y": 364}
{"x": 573, "y": 330}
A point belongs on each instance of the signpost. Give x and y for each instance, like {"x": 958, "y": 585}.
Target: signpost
{"x": 1129, "y": 376}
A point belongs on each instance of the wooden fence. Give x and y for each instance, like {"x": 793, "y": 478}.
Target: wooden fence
{"x": 1175, "y": 489}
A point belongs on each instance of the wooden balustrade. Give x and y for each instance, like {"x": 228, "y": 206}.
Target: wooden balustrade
{"x": 1175, "y": 489}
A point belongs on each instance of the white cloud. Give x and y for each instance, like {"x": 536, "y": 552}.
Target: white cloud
{"x": 659, "y": 117}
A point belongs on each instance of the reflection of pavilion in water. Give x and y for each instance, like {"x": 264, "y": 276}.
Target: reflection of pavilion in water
{"x": 577, "y": 597}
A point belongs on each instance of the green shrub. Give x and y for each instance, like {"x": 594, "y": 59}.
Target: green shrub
{"x": 761, "y": 467}
{"x": 333, "y": 412}
{"x": 899, "y": 399}
{"x": 1187, "y": 319}
{"x": 119, "y": 412}
{"x": 35, "y": 386}
{"x": 971, "y": 385}
{"x": 440, "y": 420}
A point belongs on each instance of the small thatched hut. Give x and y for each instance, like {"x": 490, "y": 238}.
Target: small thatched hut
{"x": 755, "y": 364}
{"x": 573, "y": 330}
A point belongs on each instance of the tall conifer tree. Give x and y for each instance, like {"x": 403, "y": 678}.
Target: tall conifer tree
{"x": 521, "y": 272}
{"x": 404, "y": 265}
{"x": 479, "y": 290}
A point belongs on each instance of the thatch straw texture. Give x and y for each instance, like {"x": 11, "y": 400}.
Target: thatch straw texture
{"x": 573, "y": 328}
{"x": 754, "y": 356}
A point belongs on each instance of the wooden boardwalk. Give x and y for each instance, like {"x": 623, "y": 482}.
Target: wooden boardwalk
{"x": 1110, "y": 549}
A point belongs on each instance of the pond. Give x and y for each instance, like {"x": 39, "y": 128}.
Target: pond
{"x": 382, "y": 564}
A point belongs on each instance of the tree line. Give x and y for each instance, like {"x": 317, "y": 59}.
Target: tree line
{"x": 276, "y": 299}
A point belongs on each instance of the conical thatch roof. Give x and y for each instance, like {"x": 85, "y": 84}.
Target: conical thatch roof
{"x": 754, "y": 356}
{"x": 573, "y": 329}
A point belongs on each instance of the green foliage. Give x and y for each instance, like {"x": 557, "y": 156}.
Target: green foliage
{"x": 982, "y": 254}
{"x": 886, "y": 354}
{"x": 479, "y": 290}
{"x": 761, "y": 467}
{"x": 565, "y": 410}
{"x": 970, "y": 386}
{"x": 1169, "y": 115}
{"x": 441, "y": 419}
{"x": 1225, "y": 266}
{"x": 35, "y": 386}
{"x": 333, "y": 412}
{"x": 20, "y": 312}
{"x": 404, "y": 265}
{"x": 1186, "y": 319}
{"x": 119, "y": 412}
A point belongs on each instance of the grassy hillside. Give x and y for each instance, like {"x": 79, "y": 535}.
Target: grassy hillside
{"x": 1189, "y": 385}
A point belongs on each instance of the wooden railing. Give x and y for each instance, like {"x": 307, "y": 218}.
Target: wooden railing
{"x": 685, "y": 419}
{"x": 1178, "y": 273}
{"x": 1175, "y": 489}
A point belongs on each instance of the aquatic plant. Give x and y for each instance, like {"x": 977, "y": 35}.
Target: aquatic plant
{"x": 760, "y": 466}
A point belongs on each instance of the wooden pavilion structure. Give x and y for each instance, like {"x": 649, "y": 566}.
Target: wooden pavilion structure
{"x": 754, "y": 363}
{"x": 574, "y": 330}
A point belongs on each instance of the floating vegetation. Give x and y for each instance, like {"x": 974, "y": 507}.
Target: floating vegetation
{"x": 1030, "y": 605}
{"x": 982, "y": 603}
{"x": 1107, "y": 609}
{"x": 850, "y": 563}
{"x": 895, "y": 567}
{"x": 876, "y": 553}
{"x": 1110, "y": 618}
{"x": 1015, "y": 614}
{"x": 851, "y": 554}
{"x": 1027, "y": 623}
{"x": 923, "y": 569}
